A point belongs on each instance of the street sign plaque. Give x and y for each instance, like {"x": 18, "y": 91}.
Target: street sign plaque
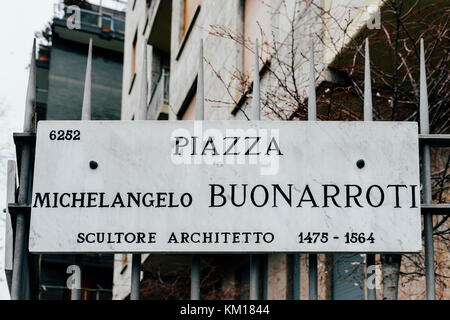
{"x": 225, "y": 186}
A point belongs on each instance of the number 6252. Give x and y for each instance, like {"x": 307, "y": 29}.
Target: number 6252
{"x": 65, "y": 135}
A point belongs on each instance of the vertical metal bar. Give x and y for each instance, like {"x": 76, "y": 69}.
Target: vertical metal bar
{"x": 256, "y": 115}
{"x": 86, "y": 108}
{"x": 312, "y": 276}
{"x": 135, "y": 277}
{"x": 265, "y": 276}
{"x": 426, "y": 180}
{"x": 312, "y": 108}
{"x": 312, "y": 116}
{"x": 11, "y": 186}
{"x": 199, "y": 115}
{"x": 20, "y": 246}
{"x": 371, "y": 292}
{"x": 256, "y": 100}
{"x": 368, "y": 108}
{"x": 195, "y": 277}
{"x": 296, "y": 256}
{"x": 200, "y": 99}
{"x": 254, "y": 276}
{"x": 141, "y": 114}
{"x": 368, "y": 116}
{"x": 296, "y": 276}
{"x": 85, "y": 115}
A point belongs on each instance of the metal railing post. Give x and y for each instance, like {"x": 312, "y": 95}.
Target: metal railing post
{"x": 199, "y": 115}
{"x": 141, "y": 114}
{"x": 20, "y": 245}
{"x": 256, "y": 115}
{"x": 11, "y": 187}
{"x": 426, "y": 180}
{"x": 86, "y": 107}
{"x": 368, "y": 116}
{"x": 135, "y": 277}
{"x": 296, "y": 276}
{"x": 312, "y": 116}
{"x": 85, "y": 115}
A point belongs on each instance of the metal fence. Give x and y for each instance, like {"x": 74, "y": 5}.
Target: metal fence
{"x": 20, "y": 210}
{"x": 53, "y": 292}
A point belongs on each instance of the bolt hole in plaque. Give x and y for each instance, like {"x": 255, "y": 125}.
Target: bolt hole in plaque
{"x": 360, "y": 163}
{"x": 93, "y": 165}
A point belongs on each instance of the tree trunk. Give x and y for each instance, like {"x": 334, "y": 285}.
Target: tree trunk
{"x": 391, "y": 274}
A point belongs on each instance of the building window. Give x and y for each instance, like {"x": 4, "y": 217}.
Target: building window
{"x": 256, "y": 25}
{"x": 190, "y": 7}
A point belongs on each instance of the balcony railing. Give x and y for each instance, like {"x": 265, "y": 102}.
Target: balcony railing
{"x": 91, "y": 18}
{"x": 51, "y": 292}
{"x": 160, "y": 95}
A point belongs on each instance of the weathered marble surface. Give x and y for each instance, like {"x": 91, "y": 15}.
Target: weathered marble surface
{"x": 136, "y": 157}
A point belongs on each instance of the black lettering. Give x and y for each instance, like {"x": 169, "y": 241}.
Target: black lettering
{"x": 213, "y": 147}
{"x": 62, "y": 198}
{"x": 150, "y": 202}
{"x": 102, "y": 198}
{"x": 247, "y": 153}
{"x": 266, "y": 196}
{"x": 80, "y": 238}
{"x": 42, "y": 199}
{"x": 80, "y": 200}
{"x": 311, "y": 198}
{"x": 355, "y": 197}
{"x": 381, "y": 196}
{"x": 173, "y": 238}
{"x": 231, "y": 146}
{"x": 287, "y": 198}
{"x": 326, "y": 195}
{"x": 185, "y": 203}
{"x": 214, "y": 194}
{"x": 90, "y": 235}
{"x": 136, "y": 199}
{"x": 91, "y": 199}
{"x": 397, "y": 196}
{"x": 277, "y": 148}
{"x": 233, "y": 195}
{"x": 178, "y": 145}
{"x": 151, "y": 237}
{"x": 269, "y": 236}
{"x": 118, "y": 200}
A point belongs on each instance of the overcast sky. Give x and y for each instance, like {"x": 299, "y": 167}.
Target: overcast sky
{"x": 19, "y": 20}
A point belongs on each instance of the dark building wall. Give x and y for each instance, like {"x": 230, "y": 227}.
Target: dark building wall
{"x": 66, "y": 82}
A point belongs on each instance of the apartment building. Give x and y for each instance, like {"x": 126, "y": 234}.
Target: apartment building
{"x": 171, "y": 31}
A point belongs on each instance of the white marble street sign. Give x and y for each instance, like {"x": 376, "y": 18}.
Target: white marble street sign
{"x": 226, "y": 186}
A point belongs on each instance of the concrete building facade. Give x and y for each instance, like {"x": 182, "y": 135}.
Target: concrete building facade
{"x": 172, "y": 31}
